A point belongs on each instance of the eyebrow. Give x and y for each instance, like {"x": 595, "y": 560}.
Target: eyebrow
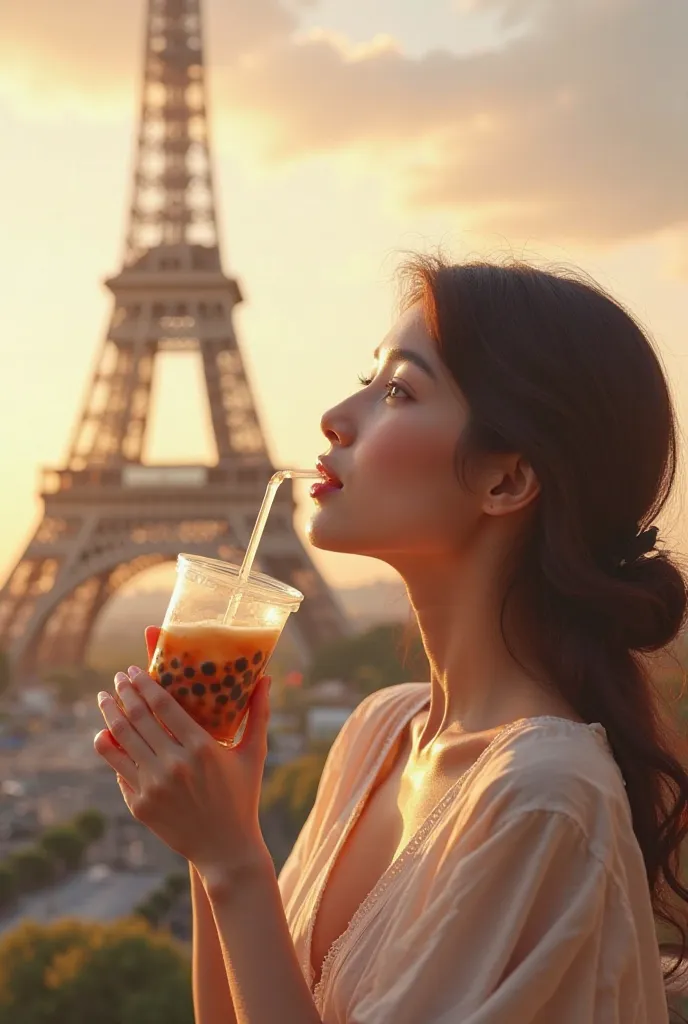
{"x": 399, "y": 355}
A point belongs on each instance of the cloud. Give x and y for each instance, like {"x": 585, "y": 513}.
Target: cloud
{"x": 578, "y": 127}
{"x": 91, "y": 49}
{"x": 574, "y": 126}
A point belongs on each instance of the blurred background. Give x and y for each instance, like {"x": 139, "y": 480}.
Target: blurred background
{"x": 331, "y": 138}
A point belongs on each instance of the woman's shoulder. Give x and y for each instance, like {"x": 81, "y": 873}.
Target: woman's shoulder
{"x": 544, "y": 755}
{"x": 554, "y": 765}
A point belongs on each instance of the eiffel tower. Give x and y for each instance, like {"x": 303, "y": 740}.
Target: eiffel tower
{"x": 107, "y": 515}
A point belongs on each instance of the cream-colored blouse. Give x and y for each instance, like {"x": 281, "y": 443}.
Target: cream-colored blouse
{"x": 522, "y": 898}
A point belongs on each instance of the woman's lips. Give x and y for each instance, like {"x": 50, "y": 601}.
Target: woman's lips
{"x": 329, "y": 482}
{"x": 328, "y": 475}
{"x": 322, "y": 487}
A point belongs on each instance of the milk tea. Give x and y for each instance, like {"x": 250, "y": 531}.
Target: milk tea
{"x": 212, "y": 670}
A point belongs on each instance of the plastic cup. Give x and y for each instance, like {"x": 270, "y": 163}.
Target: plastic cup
{"x": 210, "y": 666}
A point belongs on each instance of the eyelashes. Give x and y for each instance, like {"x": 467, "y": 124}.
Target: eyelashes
{"x": 393, "y": 390}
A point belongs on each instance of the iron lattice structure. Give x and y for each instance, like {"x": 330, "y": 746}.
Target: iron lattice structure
{"x": 107, "y": 515}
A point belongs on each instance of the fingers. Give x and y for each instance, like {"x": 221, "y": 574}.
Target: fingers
{"x": 108, "y": 749}
{"x": 122, "y": 730}
{"x": 256, "y": 732}
{"x": 152, "y": 634}
{"x": 165, "y": 708}
{"x": 141, "y": 716}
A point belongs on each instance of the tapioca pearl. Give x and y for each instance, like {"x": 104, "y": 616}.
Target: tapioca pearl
{"x": 183, "y": 691}
{"x": 248, "y": 678}
{"x": 229, "y": 681}
{"x": 216, "y": 687}
{"x": 189, "y": 672}
{"x": 215, "y": 724}
{"x": 236, "y": 693}
{"x": 257, "y": 657}
{"x": 160, "y": 666}
{"x": 241, "y": 703}
{"x": 167, "y": 679}
{"x": 198, "y": 689}
{"x": 241, "y": 664}
{"x": 208, "y": 668}
{"x": 174, "y": 663}
{"x": 231, "y": 715}
{"x": 221, "y": 699}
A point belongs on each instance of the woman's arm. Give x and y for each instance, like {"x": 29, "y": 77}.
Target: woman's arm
{"x": 263, "y": 971}
{"x": 211, "y": 996}
{"x": 203, "y": 800}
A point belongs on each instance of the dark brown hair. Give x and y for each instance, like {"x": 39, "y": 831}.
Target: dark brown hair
{"x": 553, "y": 368}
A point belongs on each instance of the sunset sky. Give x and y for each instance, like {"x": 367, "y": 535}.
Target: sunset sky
{"x": 344, "y": 132}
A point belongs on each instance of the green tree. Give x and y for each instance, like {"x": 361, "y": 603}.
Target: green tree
{"x": 66, "y": 845}
{"x": 381, "y": 656}
{"x": 159, "y": 903}
{"x": 176, "y": 883}
{"x": 91, "y": 824}
{"x": 5, "y": 672}
{"x": 155, "y": 907}
{"x": 292, "y": 787}
{"x": 74, "y": 971}
{"x": 32, "y": 868}
{"x": 8, "y": 886}
{"x": 67, "y": 686}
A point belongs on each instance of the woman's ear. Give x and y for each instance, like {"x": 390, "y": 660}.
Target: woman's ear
{"x": 513, "y": 485}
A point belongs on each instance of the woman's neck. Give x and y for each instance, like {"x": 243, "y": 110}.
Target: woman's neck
{"x": 476, "y": 684}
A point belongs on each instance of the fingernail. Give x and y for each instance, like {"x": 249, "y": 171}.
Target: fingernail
{"x": 121, "y": 678}
{"x": 134, "y": 671}
{"x": 102, "y": 696}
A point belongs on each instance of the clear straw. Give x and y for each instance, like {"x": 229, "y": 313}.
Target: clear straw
{"x": 245, "y": 571}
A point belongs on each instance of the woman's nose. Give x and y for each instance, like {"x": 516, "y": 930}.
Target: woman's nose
{"x": 337, "y": 426}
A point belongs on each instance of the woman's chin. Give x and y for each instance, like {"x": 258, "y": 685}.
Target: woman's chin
{"x": 329, "y": 536}
{"x": 328, "y": 540}
{"x": 342, "y": 543}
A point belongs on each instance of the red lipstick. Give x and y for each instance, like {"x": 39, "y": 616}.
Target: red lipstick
{"x": 330, "y": 482}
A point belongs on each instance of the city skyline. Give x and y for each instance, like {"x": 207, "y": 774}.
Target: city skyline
{"x": 318, "y": 192}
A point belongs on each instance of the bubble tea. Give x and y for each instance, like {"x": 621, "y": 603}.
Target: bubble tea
{"x": 211, "y": 665}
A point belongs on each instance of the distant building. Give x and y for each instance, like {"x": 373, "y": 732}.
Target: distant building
{"x": 316, "y": 716}
{"x": 36, "y": 700}
{"x": 330, "y": 703}
{"x": 323, "y": 723}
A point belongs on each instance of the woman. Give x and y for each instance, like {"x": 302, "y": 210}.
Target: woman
{"x": 490, "y": 846}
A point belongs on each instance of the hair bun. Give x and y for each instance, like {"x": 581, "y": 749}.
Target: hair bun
{"x": 655, "y": 601}
{"x": 642, "y": 544}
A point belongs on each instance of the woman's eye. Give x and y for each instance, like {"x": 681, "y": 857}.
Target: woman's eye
{"x": 395, "y": 390}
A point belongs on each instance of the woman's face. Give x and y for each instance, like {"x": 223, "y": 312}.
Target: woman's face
{"x": 393, "y": 445}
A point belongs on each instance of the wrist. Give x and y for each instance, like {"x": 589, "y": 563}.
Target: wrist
{"x": 222, "y": 879}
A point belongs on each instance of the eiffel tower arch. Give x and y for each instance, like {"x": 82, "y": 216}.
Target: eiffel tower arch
{"x": 107, "y": 514}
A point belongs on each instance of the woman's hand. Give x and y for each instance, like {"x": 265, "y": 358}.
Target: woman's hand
{"x": 199, "y": 797}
